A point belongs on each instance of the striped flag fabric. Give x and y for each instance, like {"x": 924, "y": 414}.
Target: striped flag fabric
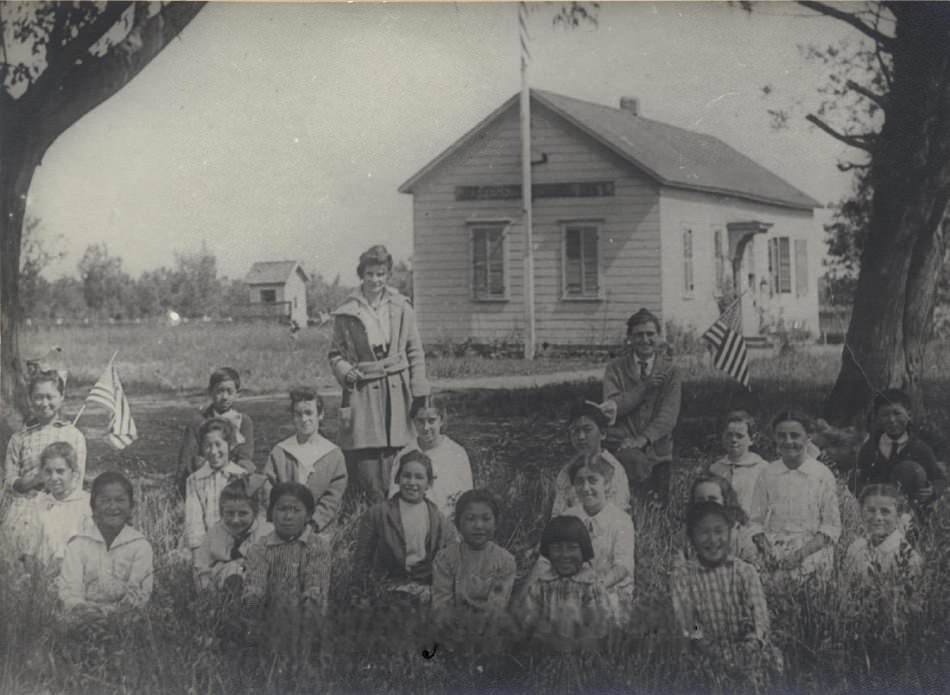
{"x": 108, "y": 393}
{"x": 728, "y": 346}
{"x": 523, "y": 35}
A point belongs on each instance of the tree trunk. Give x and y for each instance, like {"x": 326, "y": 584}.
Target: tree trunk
{"x": 18, "y": 162}
{"x": 910, "y": 175}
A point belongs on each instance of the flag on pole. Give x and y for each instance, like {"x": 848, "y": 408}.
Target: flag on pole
{"x": 108, "y": 393}
{"x": 523, "y": 35}
{"x": 728, "y": 346}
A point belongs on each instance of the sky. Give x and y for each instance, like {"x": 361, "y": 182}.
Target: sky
{"x": 272, "y": 132}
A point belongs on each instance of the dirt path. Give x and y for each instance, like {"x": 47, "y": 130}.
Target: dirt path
{"x": 524, "y": 381}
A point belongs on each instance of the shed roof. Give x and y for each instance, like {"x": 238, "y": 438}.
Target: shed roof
{"x": 672, "y": 156}
{"x": 273, "y": 272}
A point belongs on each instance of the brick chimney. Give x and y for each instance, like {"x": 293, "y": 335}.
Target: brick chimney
{"x": 631, "y": 105}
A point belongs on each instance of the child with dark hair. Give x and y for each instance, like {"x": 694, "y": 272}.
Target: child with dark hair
{"x": 451, "y": 468}
{"x": 718, "y": 600}
{"x": 587, "y": 428}
{"x": 23, "y": 473}
{"x": 220, "y": 559}
{"x": 224, "y": 386}
{"x": 795, "y": 519}
{"x": 895, "y": 454}
{"x": 740, "y": 466}
{"x": 399, "y": 538}
{"x": 203, "y": 487}
{"x": 107, "y": 566}
{"x": 566, "y": 608}
{"x": 308, "y": 457}
{"x": 709, "y": 487}
{"x": 472, "y": 579}
{"x": 287, "y": 576}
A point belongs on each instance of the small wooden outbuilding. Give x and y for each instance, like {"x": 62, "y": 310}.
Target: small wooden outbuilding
{"x": 277, "y": 289}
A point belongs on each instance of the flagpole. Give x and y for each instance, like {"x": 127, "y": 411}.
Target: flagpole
{"x": 83, "y": 408}
{"x": 526, "y": 202}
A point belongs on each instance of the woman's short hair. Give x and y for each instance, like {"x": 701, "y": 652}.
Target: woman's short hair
{"x": 430, "y": 402}
{"x": 296, "y": 490}
{"x": 700, "y": 510}
{"x": 224, "y": 374}
{"x": 596, "y": 462}
{"x": 742, "y": 417}
{"x": 60, "y": 450}
{"x": 48, "y": 376}
{"x": 884, "y": 490}
{"x": 566, "y": 529}
{"x": 794, "y": 416}
{"x": 589, "y": 410}
{"x": 375, "y": 255}
{"x": 730, "y": 498}
{"x": 242, "y": 490}
{"x": 415, "y": 456}
{"x": 470, "y": 497}
{"x": 110, "y": 478}
{"x": 304, "y": 394}
{"x": 217, "y": 424}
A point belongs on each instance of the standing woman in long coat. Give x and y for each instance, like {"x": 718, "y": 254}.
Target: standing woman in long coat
{"x": 377, "y": 357}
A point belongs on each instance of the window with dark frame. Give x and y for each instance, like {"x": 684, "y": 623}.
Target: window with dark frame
{"x": 780, "y": 265}
{"x": 488, "y": 262}
{"x": 581, "y": 261}
{"x": 688, "y": 285}
{"x": 268, "y": 296}
{"x": 720, "y": 261}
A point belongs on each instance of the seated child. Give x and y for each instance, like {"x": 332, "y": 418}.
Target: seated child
{"x": 709, "y": 487}
{"x": 718, "y": 600}
{"x": 107, "y": 566}
{"x": 204, "y": 486}
{"x": 795, "y": 518}
{"x": 309, "y": 458}
{"x": 587, "y": 427}
{"x": 567, "y": 606}
{"x": 882, "y": 557}
{"x": 450, "y": 464}
{"x": 740, "y": 466}
{"x": 897, "y": 455}
{"x": 472, "y": 579}
{"x": 63, "y": 508}
{"x": 220, "y": 559}
{"x": 287, "y": 576}
{"x": 223, "y": 387}
{"x": 399, "y": 538}
{"x": 611, "y": 532}
{"x": 23, "y": 474}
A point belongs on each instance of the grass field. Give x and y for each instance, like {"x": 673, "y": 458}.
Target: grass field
{"x": 516, "y": 442}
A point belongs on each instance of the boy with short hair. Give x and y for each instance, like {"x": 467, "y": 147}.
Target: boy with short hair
{"x": 740, "y": 466}
{"x": 894, "y": 454}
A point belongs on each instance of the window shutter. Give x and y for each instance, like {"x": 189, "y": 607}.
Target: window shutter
{"x": 785, "y": 265}
{"x": 801, "y": 267}
{"x": 688, "y": 261}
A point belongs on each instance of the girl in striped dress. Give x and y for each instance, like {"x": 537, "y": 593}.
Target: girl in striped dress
{"x": 287, "y": 577}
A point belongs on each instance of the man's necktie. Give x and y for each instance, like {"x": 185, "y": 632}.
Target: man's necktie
{"x": 643, "y": 368}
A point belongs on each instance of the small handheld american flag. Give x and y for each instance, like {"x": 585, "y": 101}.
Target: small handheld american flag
{"x": 728, "y": 346}
{"x": 108, "y": 393}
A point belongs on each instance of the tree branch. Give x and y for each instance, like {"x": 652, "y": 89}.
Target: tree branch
{"x": 862, "y": 142}
{"x": 61, "y": 59}
{"x": 95, "y": 79}
{"x": 882, "y": 39}
{"x": 878, "y": 99}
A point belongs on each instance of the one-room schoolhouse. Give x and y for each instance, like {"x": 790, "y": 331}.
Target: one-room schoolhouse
{"x": 628, "y": 212}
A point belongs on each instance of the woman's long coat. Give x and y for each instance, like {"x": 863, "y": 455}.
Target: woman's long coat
{"x": 375, "y": 411}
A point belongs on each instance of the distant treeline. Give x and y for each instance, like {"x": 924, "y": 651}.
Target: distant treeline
{"x": 102, "y": 290}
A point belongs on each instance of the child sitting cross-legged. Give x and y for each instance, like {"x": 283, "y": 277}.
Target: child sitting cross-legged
{"x": 718, "y": 600}
{"x": 398, "y": 539}
{"x": 308, "y": 457}
{"x": 220, "y": 559}
{"x": 204, "y": 486}
{"x": 587, "y": 428}
{"x": 611, "y": 532}
{"x": 64, "y": 508}
{"x": 895, "y": 454}
{"x": 740, "y": 466}
{"x": 287, "y": 577}
{"x": 566, "y": 607}
{"x": 795, "y": 517}
{"x": 472, "y": 579}
{"x": 107, "y": 566}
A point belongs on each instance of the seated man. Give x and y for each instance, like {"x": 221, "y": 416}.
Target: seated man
{"x": 642, "y": 391}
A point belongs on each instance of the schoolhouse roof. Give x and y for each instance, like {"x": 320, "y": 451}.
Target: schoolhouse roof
{"x": 273, "y": 272}
{"x": 669, "y": 155}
